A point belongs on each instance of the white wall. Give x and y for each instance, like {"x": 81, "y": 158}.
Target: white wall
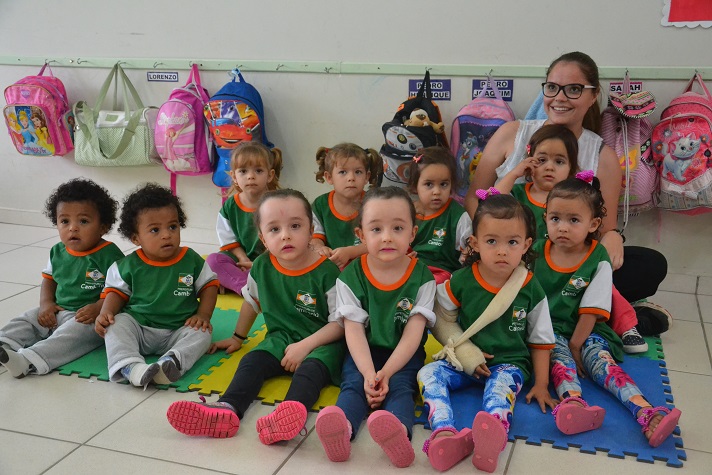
{"x": 305, "y": 111}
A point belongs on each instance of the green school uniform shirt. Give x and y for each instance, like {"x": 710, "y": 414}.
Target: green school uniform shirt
{"x": 80, "y": 276}
{"x": 526, "y": 324}
{"x": 336, "y": 230}
{"x": 385, "y": 309}
{"x": 160, "y": 294}
{"x": 236, "y": 228}
{"x": 521, "y": 192}
{"x": 442, "y": 236}
{"x": 582, "y": 289}
{"x": 295, "y": 304}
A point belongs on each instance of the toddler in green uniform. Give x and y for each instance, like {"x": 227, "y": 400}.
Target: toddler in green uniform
{"x": 159, "y": 299}
{"x": 61, "y": 329}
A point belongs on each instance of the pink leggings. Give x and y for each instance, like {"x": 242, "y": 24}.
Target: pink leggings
{"x": 230, "y": 276}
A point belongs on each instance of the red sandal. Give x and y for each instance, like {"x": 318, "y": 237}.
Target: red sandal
{"x": 574, "y": 419}
{"x": 664, "y": 428}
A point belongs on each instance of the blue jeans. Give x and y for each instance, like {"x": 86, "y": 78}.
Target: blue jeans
{"x": 438, "y": 379}
{"x": 599, "y": 364}
{"x": 402, "y": 387}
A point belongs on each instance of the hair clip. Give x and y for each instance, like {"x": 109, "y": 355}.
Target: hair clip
{"x": 484, "y": 194}
{"x": 327, "y": 150}
{"x": 417, "y": 158}
{"x": 529, "y": 150}
{"x": 586, "y": 175}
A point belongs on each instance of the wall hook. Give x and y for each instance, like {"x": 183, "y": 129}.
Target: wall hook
{"x": 50, "y": 61}
{"x": 79, "y": 61}
{"x": 156, "y": 64}
{"x": 427, "y": 70}
{"x": 328, "y": 70}
{"x": 489, "y": 74}
{"x": 279, "y": 66}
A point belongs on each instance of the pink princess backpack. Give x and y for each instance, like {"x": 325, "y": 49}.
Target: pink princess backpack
{"x": 182, "y": 138}
{"x": 38, "y": 117}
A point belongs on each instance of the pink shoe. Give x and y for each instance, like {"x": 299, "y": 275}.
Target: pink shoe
{"x": 445, "y": 452}
{"x": 334, "y": 432}
{"x": 574, "y": 419}
{"x": 284, "y": 423}
{"x": 388, "y": 432}
{"x": 208, "y": 419}
{"x": 664, "y": 428}
{"x": 490, "y": 438}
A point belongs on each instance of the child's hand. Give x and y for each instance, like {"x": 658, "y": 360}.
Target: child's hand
{"x": 199, "y": 322}
{"x": 294, "y": 354}
{"x": 412, "y": 254}
{"x": 230, "y": 345}
{"x": 382, "y": 387}
{"x": 370, "y": 388}
{"x": 47, "y": 316}
{"x": 576, "y": 353}
{"x": 244, "y": 264}
{"x": 483, "y": 369}
{"x": 88, "y": 313}
{"x": 323, "y": 251}
{"x": 340, "y": 256}
{"x": 526, "y": 166}
{"x": 543, "y": 397}
{"x": 102, "y": 322}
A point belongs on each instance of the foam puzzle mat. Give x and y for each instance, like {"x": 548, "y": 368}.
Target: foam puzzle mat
{"x": 619, "y": 436}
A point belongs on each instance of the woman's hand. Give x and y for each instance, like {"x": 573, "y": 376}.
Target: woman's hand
{"x": 613, "y": 242}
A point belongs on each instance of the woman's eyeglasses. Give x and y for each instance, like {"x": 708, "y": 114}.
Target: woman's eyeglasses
{"x": 572, "y": 91}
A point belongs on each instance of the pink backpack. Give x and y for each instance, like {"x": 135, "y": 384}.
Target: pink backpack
{"x": 682, "y": 152}
{"x": 471, "y": 130}
{"x": 181, "y": 132}
{"x": 38, "y": 116}
{"x": 628, "y": 132}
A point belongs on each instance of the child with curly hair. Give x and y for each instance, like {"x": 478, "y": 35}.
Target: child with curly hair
{"x": 61, "y": 329}
{"x": 167, "y": 294}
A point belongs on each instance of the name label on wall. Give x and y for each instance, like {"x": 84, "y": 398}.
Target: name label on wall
{"x": 440, "y": 88}
{"x": 617, "y": 86}
{"x": 505, "y": 86}
{"x": 162, "y": 76}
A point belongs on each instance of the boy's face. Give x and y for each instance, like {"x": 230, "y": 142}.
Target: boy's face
{"x": 79, "y": 225}
{"x": 158, "y": 233}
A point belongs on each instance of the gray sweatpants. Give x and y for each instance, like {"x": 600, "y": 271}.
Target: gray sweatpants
{"x": 46, "y": 349}
{"x": 127, "y": 341}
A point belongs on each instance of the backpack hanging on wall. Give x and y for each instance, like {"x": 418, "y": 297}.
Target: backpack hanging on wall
{"x": 235, "y": 114}
{"x": 416, "y": 125}
{"x": 38, "y": 116}
{"x": 626, "y": 129}
{"x": 471, "y": 130}
{"x": 682, "y": 152}
{"x": 182, "y": 138}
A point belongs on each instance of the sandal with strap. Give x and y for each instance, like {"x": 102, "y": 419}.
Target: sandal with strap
{"x": 574, "y": 419}
{"x": 445, "y": 452}
{"x": 664, "y": 428}
{"x": 489, "y": 434}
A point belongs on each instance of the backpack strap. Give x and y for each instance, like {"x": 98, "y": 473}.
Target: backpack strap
{"x": 494, "y": 310}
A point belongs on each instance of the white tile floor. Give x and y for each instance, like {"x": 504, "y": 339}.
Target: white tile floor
{"x": 66, "y": 425}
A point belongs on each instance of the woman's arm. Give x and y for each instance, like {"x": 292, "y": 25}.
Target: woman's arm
{"x": 610, "y": 175}
{"x": 499, "y": 146}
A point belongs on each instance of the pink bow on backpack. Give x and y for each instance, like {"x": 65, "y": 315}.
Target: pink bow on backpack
{"x": 484, "y": 194}
{"x": 586, "y": 175}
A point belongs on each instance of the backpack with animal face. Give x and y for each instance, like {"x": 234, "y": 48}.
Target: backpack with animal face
{"x": 471, "y": 130}
{"x": 235, "y": 114}
{"x": 682, "y": 153}
{"x": 416, "y": 125}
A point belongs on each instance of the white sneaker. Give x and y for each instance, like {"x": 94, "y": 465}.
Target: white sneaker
{"x": 140, "y": 374}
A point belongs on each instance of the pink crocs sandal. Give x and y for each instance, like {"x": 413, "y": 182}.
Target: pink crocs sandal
{"x": 574, "y": 419}
{"x": 445, "y": 452}
{"x": 334, "y": 432}
{"x": 490, "y": 438}
{"x": 664, "y": 428}
{"x": 387, "y": 431}
{"x": 284, "y": 423}
{"x": 207, "y": 419}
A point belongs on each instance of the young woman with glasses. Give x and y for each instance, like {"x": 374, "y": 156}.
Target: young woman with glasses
{"x": 571, "y": 94}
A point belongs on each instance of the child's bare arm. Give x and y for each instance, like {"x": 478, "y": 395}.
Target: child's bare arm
{"x": 244, "y": 322}
{"x": 343, "y": 255}
{"x": 47, "y": 316}
{"x": 540, "y": 390}
{"x": 404, "y": 351}
{"x": 201, "y": 320}
{"x": 583, "y": 330}
{"x": 113, "y": 303}
{"x": 506, "y": 184}
{"x": 361, "y": 353}
{"x": 243, "y": 262}
{"x": 295, "y": 353}
{"x": 88, "y": 313}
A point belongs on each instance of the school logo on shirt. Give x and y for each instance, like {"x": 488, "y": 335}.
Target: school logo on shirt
{"x": 306, "y": 303}
{"x": 519, "y": 319}
{"x": 403, "y": 309}
{"x": 185, "y": 285}
{"x": 438, "y": 237}
{"x": 574, "y": 286}
{"x": 93, "y": 279}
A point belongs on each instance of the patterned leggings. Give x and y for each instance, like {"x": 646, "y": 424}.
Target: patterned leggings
{"x": 437, "y": 379}
{"x": 602, "y": 368}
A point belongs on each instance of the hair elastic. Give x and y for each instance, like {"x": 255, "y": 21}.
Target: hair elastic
{"x": 586, "y": 175}
{"x": 237, "y": 335}
{"x": 484, "y": 194}
{"x": 529, "y": 150}
{"x": 417, "y": 158}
